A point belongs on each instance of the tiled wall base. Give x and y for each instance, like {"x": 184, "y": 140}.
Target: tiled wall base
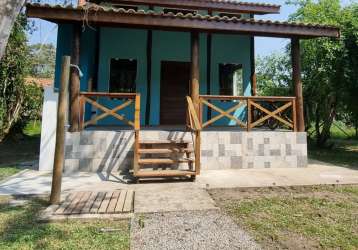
{"x": 262, "y": 149}
{"x": 113, "y": 150}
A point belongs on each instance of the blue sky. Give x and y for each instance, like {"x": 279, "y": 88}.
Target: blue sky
{"x": 47, "y": 32}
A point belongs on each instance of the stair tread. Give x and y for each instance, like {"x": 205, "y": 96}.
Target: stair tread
{"x": 158, "y": 173}
{"x": 164, "y": 150}
{"x": 164, "y": 160}
{"x": 163, "y": 141}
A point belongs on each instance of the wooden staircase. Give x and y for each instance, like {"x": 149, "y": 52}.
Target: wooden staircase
{"x": 164, "y": 158}
{"x": 167, "y": 158}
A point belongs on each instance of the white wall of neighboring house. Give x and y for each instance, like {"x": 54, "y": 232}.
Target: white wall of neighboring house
{"x": 48, "y": 129}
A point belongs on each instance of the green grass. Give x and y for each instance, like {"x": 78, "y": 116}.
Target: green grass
{"x": 20, "y": 230}
{"x": 322, "y": 217}
{"x": 338, "y": 131}
{"x": 8, "y": 171}
{"x": 33, "y": 128}
{"x": 343, "y": 153}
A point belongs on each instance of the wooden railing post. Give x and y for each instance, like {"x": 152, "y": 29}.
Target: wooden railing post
{"x": 136, "y": 133}
{"x": 82, "y": 112}
{"x": 249, "y": 114}
{"x": 197, "y": 150}
{"x": 294, "y": 115}
{"x": 59, "y": 160}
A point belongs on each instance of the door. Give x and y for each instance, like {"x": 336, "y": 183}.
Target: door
{"x": 174, "y": 87}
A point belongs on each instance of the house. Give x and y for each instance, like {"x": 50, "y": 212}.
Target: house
{"x": 166, "y": 88}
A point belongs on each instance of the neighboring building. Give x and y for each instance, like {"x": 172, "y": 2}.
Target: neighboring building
{"x": 151, "y": 54}
{"x": 41, "y": 82}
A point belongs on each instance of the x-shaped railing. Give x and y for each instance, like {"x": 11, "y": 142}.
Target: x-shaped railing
{"x": 127, "y": 100}
{"x": 224, "y": 113}
{"x": 269, "y": 107}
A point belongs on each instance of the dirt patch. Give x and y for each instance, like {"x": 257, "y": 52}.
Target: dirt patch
{"x": 237, "y": 194}
{"x": 308, "y": 217}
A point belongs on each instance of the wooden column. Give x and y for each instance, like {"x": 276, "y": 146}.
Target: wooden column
{"x": 60, "y": 132}
{"x": 195, "y": 70}
{"x": 195, "y": 94}
{"x": 296, "y": 77}
{"x": 253, "y": 72}
{"x": 75, "y": 81}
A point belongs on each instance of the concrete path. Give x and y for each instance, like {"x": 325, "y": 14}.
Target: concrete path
{"x": 35, "y": 182}
{"x": 175, "y": 197}
{"x": 207, "y": 230}
{"x": 317, "y": 173}
{"x": 179, "y": 196}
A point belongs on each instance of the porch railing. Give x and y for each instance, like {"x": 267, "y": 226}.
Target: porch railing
{"x": 127, "y": 99}
{"x": 257, "y": 111}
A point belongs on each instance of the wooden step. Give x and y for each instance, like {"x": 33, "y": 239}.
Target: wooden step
{"x": 164, "y": 173}
{"x": 163, "y": 161}
{"x": 164, "y": 150}
{"x": 164, "y": 142}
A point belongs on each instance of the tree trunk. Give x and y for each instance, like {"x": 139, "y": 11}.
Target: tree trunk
{"x": 327, "y": 123}
{"x": 317, "y": 126}
{"x": 9, "y": 9}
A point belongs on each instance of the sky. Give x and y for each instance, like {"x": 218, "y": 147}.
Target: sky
{"x": 47, "y": 32}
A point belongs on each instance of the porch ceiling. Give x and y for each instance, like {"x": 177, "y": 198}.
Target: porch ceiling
{"x": 231, "y": 6}
{"x": 98, "y": 15}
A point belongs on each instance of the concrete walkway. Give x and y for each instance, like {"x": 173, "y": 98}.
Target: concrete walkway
{"x": 317, "y": 173}
{"x": 179, "y": 196}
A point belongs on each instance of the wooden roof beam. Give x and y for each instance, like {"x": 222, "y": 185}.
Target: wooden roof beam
{"x": 213, "y": 5}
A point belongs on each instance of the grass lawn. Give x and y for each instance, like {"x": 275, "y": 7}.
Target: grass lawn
{"x": 344, "y": 153}
{"x": 20, "y": 230}
{"x": 324, "y": 217}
{"x": 8, "y": 171}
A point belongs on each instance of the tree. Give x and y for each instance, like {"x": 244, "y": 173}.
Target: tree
{"x": 42, "y": 60}
{"x": 329, "y": 67}
{"x": 9, "y": 9}
{"x": 274, "y": 75}
{"x": 19, "y": 102}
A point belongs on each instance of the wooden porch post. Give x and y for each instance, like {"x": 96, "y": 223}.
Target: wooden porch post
{"x": 253, "y": 71}
{"x": 60, "y": 132}
{"x": 195, "y": 70}
{"x": 75, "y": 81}
{"x": 296, "y": 77}
{"x": 195, "y": 94}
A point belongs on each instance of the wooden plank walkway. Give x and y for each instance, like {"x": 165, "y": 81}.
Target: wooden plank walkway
{"x": 113, "y": 202}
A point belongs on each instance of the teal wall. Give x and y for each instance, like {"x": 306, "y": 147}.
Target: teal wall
{"x": 166, "y": 46}
{"x": 230, "y": 49}
{"x": 64, "y": 37}
{"x": 124, "y": 44}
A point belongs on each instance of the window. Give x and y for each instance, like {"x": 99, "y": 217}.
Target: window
{"x": 176, "y": 11}
{"x": 122, "y": 76}
{"x": 230, "y": 78}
